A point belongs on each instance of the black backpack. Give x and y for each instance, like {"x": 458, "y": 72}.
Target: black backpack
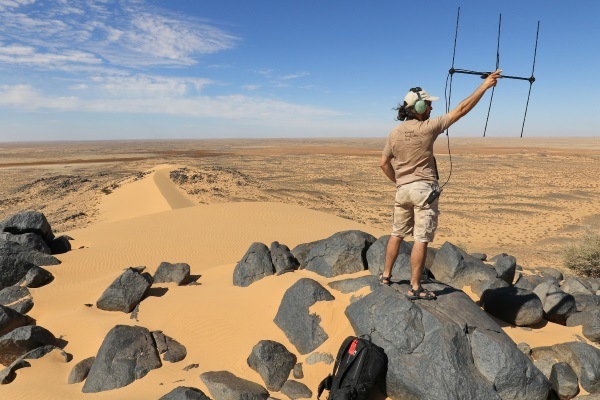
{"x": 358, "y": 365}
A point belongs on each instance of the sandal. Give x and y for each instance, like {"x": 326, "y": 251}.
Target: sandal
{"x": 420, "y": 294}
{"x": 385, "y": 280}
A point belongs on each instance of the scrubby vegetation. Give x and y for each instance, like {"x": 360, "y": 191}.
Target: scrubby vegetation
{"x": 583, "y": 257}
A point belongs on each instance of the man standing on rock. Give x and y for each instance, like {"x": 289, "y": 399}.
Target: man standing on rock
{"x": 408, "y": 161}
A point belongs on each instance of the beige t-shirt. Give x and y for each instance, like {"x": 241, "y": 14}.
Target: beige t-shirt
{"x": 410, "y": 145}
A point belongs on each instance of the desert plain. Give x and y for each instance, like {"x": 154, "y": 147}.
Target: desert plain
{"x": 204, "y": 202}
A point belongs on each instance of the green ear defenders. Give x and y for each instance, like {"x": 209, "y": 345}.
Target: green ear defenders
{"x": 420, "y": 106}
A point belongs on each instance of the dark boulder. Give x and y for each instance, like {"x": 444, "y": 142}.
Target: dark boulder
{"x": 80, "y": 370}
{"x": 22, "y": 340}
{"x": 557, "y": 304}
{"x": 296, "y": 390}
{"x": 126, "y": 354}
{"x": 36, "y": 277}
{"x": 552, "y": 272}
{"x": 255, "y": 265}
{"x": 505, "y": 266}
{"x": 376, "y": 259}
{"x": 585, "y": 360}
{"x": 11, "y": 319}
{"x": 342, "y": 253}
{"x": 185, "y": 393}
{"x": 125, "y": 292}
{"x": 589, "y": 321}
{"x": 444, "y": 349}
{"x": 8, "y": 374}
{"x": 28, "y": 222}
{"x": 223, "y": 385}
{"x": 564, "y": 381}
{"x": 458, "y": 269}
{"x": 586, "y": 302}
{"x": 524, "y": 283}
{"x": 16, "y": 260}
{"x": 273, "y": 362}
{"x": 178, "y": 273}
{"x": 513, "y": 305}
{"x": 479, "y": 287}
{"x": 60, "y": 245}
{"x": 574, "y": 286}
{"x": 301, "y": 252}
{"x": 169, "y": 348}
{"x": 28, "y": 240}
{"x": 16, "y": 297}
{"x": 294, "y": 319}
{"x": 282, "y": 258}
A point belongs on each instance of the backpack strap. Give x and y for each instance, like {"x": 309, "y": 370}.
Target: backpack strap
{"x": 327, "y": 382}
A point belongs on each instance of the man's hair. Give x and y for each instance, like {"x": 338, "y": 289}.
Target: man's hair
{"x": 405, "y": 113}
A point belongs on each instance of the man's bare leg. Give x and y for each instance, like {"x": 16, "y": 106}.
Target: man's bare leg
{"x": 391, "y": 253}
{"x": 418, "y": 256}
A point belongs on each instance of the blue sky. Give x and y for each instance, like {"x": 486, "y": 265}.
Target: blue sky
{"x": 139, "y": 69}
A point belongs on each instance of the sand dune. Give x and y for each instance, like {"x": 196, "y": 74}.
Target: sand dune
{"x": 149, "y": 220}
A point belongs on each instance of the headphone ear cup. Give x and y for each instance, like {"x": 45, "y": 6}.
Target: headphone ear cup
{"x": 420, "y": 107}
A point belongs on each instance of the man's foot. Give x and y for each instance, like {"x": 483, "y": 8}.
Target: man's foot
{"x": 420, "y": 294}
{"x": 385, "y": 280}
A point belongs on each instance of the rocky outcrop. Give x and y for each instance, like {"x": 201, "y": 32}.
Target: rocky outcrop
{"x": 255, "y": 265}
{"x": 450, "y": 339}
{"x": 223, "y": 385}
{"x": 126, "y": 354}
{"x": 16, "y": 261}
{"x": 11, "y": 319}
{"x": 342, "y": 253}
{"x": 273, "y": 362}
{"x": 28, "y": 240}
{"x": 376, "y": 259}
{"x": 294, "y": 318}
{"x": 126, "y": 291}
{"x": 28, "y": 222}
{"x": 558, "y": 305}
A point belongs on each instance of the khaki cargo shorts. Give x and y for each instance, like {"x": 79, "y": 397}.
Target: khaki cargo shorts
{"x": 412, "y": 214}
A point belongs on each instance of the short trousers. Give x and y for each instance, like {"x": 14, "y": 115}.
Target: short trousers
{"x": 412, "y": 214}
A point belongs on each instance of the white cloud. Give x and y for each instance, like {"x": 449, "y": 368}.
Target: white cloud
{"x": 125, "y": 33}
{"x": 228, "y": 107}
{"x": 251, "y": 87}
{"x": 293, "y": 76}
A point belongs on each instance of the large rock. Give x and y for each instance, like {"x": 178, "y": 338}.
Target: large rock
{"x": 11, "y": 319}
{"x": 255, "y": 265}
{"x": 350, "y": 285}
{"x": 223, "y": 385}
{"x": 126, "y": 354}
{"x": 185, "y": 393}
{"x": 342, "y": 253}
{"x": 125, "y": 292}
{"x": 479, "y": 287}
{"x": 553, "y": 272}
{"x": 564, "y": 381}
{"x": 294, "y": 319}
{"x": 513, "y": 305}
{"x": 282, "y": 257}
{"x": 29, "y": 240}
{"x": 585, "y": 360}
{"x": 574, "y": 286}
{"x": 458, "y": 269}
{"x": 178, "y": 273}
{"x": 18, "y": 298}
{"x": 444, "y": 349}
{"x": 557, "y": 304}
{"x": 16, "y": 260}
{"x": 590, "y": 323}
{"x": 36, "y": 277}
{"x": 505, "y": 266}
{"x": 376, "y": 259}
{"x": 60, "y": 245}
{"x": 22, "y": 340}
{"x": 301, "y": 253}
{"x": 28, "y": 222}
{"x": 524, "y": 283}
{"x": 273, "y": 362}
